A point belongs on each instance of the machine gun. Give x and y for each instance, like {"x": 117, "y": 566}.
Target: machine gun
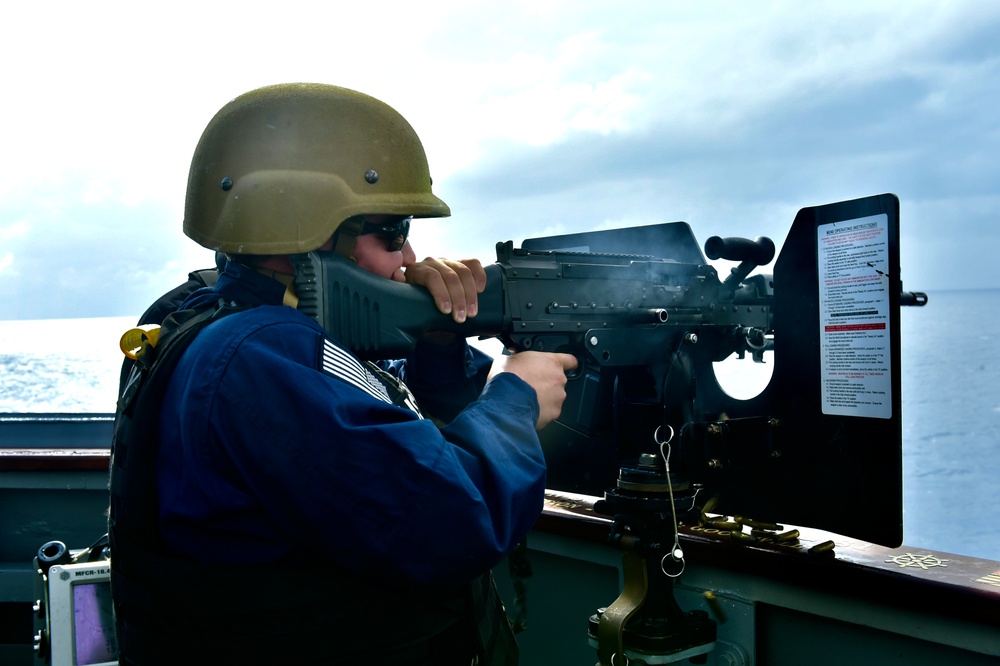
{"x": 646, "y": 422}
{"x": 648, "y": 318}
{"x": 638, "y": 324}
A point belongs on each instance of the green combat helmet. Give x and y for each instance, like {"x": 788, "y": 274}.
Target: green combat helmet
{"x": 279, "y": 169}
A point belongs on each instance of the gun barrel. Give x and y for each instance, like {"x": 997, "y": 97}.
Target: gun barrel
{"x": 650, "y": 316}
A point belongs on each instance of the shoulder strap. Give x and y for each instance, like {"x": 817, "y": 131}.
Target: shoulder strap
{"x": 134, "y": 443}
{"x": 206, "y": 276}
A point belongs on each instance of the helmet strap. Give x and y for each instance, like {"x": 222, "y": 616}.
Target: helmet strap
{"x": 290, "y": 298}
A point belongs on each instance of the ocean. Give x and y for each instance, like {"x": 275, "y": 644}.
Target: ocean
{"x": 950, "y": 405}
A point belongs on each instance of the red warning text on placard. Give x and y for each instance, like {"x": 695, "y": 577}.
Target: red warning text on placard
{"x": 840, "y": 328}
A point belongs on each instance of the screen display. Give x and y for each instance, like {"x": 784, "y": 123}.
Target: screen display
{"x": 94, "y": 624}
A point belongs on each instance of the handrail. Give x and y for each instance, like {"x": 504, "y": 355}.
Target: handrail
{"x": 55, "y": 442}
{"x": 55, "y": 431}
{"x": 54, "y": 460}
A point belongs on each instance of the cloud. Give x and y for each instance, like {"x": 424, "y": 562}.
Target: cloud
{"x": 78, "y": 254}
{"x": 855, "y": 108}
{"x": 538, "y": 119}
{"x": 14, "y": 230}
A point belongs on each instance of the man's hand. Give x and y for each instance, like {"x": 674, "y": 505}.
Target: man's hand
{"x": 454, "y": 285}
{"x": 546, "y": 373}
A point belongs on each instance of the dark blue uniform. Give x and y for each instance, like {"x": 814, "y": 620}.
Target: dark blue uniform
{"x": 277, "y": 445}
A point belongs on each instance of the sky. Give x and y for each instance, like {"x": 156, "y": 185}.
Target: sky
{"x": 538, "y": 118}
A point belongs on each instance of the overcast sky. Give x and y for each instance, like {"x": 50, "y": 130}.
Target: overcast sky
{"x": 538, "y": 118}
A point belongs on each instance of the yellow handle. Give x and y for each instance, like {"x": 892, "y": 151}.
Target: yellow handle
{"x": 133, "y": 338}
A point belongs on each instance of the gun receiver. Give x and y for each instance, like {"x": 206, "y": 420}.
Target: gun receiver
{"x": 618, "y": 310}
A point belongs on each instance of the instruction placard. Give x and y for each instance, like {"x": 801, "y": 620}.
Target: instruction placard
{"x": 854, "y": 284}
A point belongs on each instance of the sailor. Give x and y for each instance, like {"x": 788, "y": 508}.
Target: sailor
{"x": 274, "y": 498}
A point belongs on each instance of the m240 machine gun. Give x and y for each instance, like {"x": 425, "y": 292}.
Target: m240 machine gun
{"x": 646, "y": 422}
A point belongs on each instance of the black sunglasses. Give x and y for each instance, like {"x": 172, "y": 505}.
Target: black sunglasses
{"x": 394, "y": 232}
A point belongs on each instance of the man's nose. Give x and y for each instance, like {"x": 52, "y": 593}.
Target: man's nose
{"x": 409, "y": 256}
